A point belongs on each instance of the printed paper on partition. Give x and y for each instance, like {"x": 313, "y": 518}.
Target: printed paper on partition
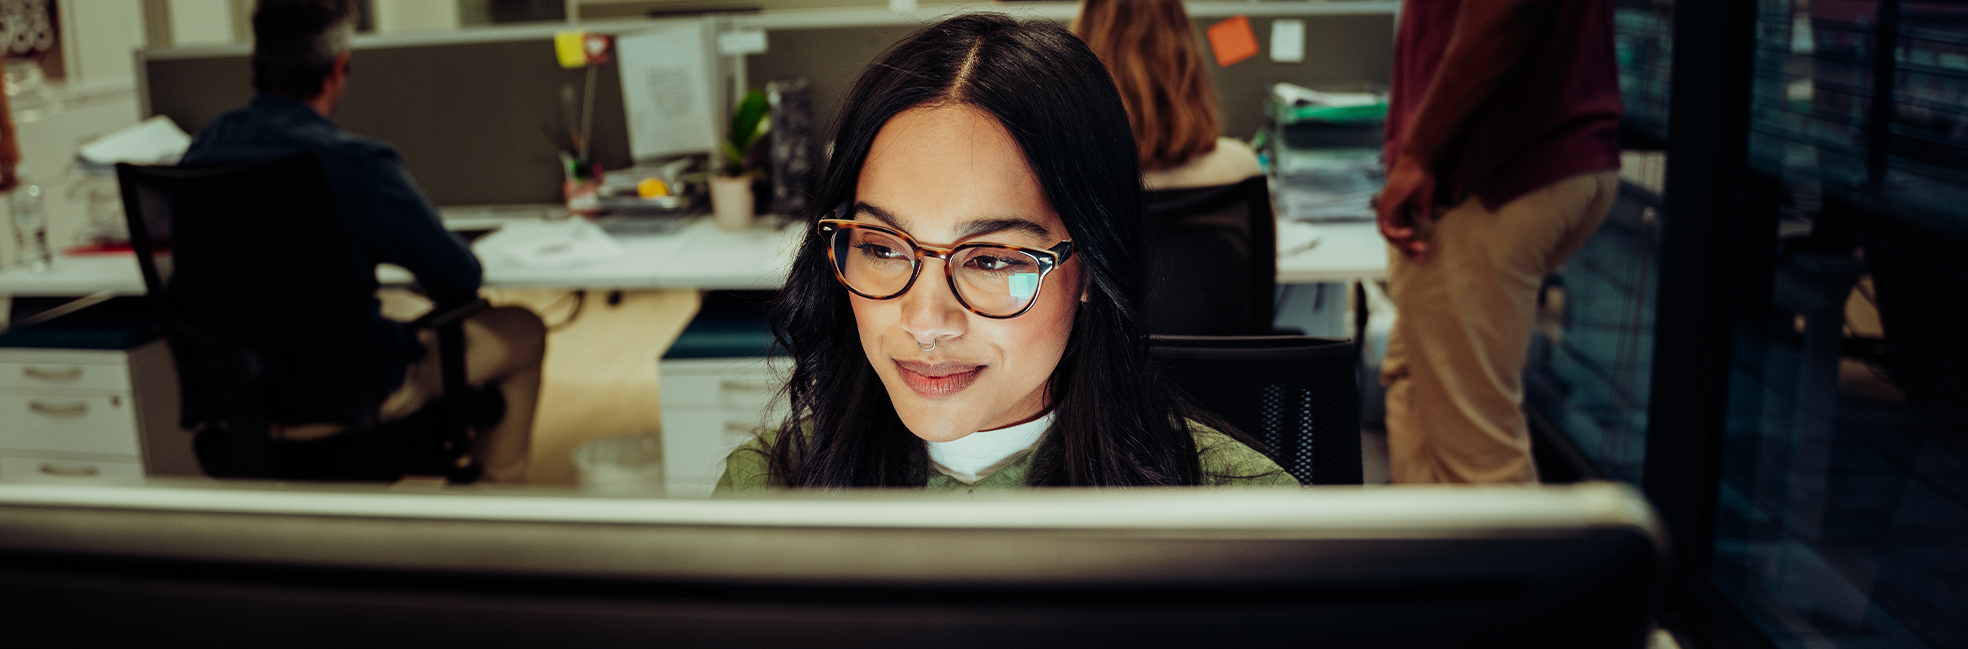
{"x": 667, "y": 89}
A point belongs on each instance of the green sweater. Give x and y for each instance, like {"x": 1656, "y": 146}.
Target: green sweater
{"x": 1226, "y": 462}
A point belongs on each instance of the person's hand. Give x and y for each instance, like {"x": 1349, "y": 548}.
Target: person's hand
{"x": 8, "y": 180}
{"x": 1406, "y": 207}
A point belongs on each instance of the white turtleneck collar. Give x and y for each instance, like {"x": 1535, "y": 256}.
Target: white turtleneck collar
{"x": 976, "y": 456}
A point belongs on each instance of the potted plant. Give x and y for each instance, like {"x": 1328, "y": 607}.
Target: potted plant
{"x": 731, "y": 187}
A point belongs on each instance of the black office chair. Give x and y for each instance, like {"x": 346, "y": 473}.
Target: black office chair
{"x": 268, "y": 320}
{"x": 1213, "y": 260}
{"x": 1296, "y": 394}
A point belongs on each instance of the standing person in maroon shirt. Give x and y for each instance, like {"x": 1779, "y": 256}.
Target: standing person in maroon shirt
{"x": 1502, "y": 156}
{"x": 10, "y": 154}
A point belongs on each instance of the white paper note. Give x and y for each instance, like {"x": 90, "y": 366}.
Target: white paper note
{"x": 667, "y": 89}
{"x": 1288, "y": 40}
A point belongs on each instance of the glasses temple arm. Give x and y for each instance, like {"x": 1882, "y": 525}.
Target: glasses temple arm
{"x": 1064, "y": 250}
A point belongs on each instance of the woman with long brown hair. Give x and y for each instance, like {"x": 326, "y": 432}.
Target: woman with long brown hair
{"x": 1205, "y": 195}
{"x": 1152, "y": 51}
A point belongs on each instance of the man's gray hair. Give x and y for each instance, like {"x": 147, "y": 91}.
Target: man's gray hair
{"x": 295, "y": 43}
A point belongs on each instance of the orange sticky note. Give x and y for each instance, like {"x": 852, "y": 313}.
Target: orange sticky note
{"x": 1233, "y": 41}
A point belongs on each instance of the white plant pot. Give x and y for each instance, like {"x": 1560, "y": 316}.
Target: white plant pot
{"x": 731, "y": 202}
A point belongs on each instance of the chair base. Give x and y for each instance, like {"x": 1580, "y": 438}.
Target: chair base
{"x": 414, "y": 445}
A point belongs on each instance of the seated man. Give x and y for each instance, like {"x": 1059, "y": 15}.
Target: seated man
{"x": 300, "y": 67}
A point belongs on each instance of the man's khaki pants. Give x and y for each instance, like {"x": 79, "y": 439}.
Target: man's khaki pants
{"x": 1455, "y": 360}
{"x": 505, "y": 348}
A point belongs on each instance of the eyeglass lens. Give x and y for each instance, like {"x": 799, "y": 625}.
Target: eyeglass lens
{"x": 993, "y": 281}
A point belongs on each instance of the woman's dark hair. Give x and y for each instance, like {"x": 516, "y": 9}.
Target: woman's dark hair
{"x": 295, "y": 43}
{"x": 1114, "y": 424}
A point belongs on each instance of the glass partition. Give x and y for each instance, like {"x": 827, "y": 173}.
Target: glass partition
{"x": 1842, "y": 514}
{"x": 1592, "y": 354}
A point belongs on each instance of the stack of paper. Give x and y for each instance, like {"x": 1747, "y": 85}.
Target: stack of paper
{"x": 1325, "y": 155}
{"x": 546, "y": 245}
{"x": 155, "y": 141}
{"x": 1328, "y": 184}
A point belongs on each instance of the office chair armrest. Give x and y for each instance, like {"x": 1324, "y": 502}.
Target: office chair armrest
{"x": 448, "y": 320}
{"x": 444, "y": 314}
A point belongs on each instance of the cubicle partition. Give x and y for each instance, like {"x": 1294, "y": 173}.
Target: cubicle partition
{"x": 1344, "y": 51}
{"x": 469, "y": 108}
{"x": 469, "y": 111}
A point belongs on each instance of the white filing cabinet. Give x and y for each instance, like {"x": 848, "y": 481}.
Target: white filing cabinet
{"x": 78, "y": 415}
{"x": 710, "y": 406}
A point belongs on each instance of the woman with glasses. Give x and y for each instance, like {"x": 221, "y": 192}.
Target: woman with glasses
{"x": 964, "y": 315}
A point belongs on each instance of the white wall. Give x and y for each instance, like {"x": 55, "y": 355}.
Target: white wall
{"x": 414, "y": 15}
{"x": 200, "y": 22}
{"x": 100, "y": 36}
{"x": 98, "y": 97}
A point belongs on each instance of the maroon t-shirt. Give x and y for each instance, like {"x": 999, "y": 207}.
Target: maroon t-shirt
{"x": 1556, "y": 115}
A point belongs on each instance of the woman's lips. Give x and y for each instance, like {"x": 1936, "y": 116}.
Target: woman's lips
{"x": 937, "y": 380}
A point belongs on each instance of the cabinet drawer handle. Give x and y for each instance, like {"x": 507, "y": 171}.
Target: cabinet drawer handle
{"x": 69, "y": 409}
{"x": 71, "y": 470}
{"x": 738, "y": 428}
{"x": 70, "y": 373}
{"x": 735, "y": 385}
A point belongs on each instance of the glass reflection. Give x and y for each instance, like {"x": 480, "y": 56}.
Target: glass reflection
{"x": 1843, "y": 513}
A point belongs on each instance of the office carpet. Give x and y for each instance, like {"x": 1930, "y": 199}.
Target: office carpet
{"x": 600, "y": 378}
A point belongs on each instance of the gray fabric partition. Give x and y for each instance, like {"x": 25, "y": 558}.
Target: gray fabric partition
{"x": 468, "y": 116}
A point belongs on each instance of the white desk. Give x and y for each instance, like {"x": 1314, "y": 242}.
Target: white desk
{"x": 1346, "y": 252}
{"x": 698, "y": 255}
{"x": 70, "y": 276}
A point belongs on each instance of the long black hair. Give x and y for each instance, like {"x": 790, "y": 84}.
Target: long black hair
{"x": 1114, "y": 421}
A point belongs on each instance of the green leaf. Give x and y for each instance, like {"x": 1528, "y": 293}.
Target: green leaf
{"x": 745, "y": 120}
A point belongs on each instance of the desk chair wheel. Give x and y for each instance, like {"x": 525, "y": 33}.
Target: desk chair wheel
{"x": 485, "y": 407}
{"x": 414, "y": 445}
{"x": 466, "y": 474}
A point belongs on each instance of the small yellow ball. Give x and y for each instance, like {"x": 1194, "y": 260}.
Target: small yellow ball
{"x": 652, "y": 188}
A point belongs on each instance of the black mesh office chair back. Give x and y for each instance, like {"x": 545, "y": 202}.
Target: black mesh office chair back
{"x": 1213, "y": 260}
{"x": 267, "y": 317}
{"x": 1295, "y": 394}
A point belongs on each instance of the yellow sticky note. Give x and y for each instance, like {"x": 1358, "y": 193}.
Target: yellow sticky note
{"x": 1233, "y": 41}
{"x": 569, "y": 49}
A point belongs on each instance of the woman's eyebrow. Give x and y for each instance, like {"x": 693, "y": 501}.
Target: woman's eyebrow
{"x": 969, "y": 229}
{"x": 991, "y": 226}
{"x": 880, "y": 215}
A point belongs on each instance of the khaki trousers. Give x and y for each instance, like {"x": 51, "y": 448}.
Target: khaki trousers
{"x": 1455, "y": 359}
{"x": 505, "y": 347}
